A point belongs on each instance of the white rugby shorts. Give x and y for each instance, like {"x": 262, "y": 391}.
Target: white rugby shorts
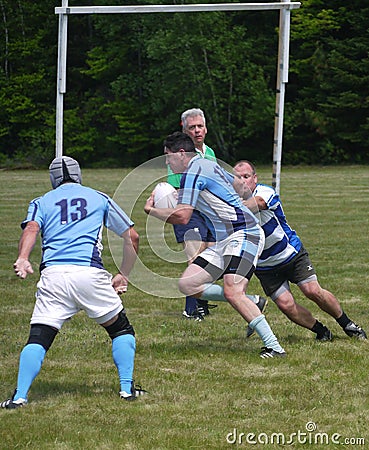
{"x": 247, "y": 244}
{"x": 64, "y": 290}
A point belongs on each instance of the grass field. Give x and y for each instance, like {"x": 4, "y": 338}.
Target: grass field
{"x": 208, "y": 387}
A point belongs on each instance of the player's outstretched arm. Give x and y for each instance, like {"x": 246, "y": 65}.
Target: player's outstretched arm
{"x": 22, "y": 266}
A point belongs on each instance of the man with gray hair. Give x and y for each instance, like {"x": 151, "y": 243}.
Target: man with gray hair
{"x": 195, "y": 235}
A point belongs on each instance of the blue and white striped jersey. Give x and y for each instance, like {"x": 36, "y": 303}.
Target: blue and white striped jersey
{"x": 281, "y": 241}
{"x": 208, "y": 188}
{"x": 71, "y": 219}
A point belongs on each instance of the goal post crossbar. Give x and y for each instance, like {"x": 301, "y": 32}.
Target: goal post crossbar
{"x": 284, "y": 8}
{"x": 139, "y": 9}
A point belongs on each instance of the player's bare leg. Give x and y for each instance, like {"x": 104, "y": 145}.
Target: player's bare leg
{"x": 194, "y": 281}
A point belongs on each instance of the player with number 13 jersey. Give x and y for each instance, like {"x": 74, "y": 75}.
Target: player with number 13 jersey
{"x": 71, "y": 219}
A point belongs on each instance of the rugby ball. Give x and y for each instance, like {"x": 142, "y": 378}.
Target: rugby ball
{"x": 165, "y": 196}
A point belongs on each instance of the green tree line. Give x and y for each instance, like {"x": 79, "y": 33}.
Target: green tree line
{"x": 130, "y": 76}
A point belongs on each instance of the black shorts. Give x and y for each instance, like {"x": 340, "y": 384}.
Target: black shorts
{"x": 195, "y": 230}
{"x": 232, "y": 265}
{"x": 296, "y": 271}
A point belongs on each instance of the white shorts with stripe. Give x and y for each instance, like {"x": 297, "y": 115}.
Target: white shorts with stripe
{"x": 64, "y": 290}
{"x": 246, "y": 244}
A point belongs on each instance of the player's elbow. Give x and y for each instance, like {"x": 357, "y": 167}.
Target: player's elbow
{"x": 134, "y": 236}
{"x": 131, "y": 237}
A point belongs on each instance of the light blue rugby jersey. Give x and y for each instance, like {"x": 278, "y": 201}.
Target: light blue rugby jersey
{"x": 71, "y": 218}
{"x": 281, "y": 241}
{"x": 208, "y": 188}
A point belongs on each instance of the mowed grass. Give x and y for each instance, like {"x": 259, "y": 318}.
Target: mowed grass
{"x": 208, "y": 387}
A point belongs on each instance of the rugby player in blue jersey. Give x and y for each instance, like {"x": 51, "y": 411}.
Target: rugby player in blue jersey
{"x": 284, "y": 260}
{"x": 195, "y": 235}
{"x": 71, "y": 218}
{"x": 239, "y": 239}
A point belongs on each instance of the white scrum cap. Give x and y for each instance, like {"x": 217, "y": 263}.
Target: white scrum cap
{"x": 64, "y": 170}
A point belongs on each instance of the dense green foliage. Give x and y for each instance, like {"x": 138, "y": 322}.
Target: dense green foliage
{"x": 130, "y": 76}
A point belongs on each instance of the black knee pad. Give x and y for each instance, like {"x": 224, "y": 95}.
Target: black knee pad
{"x": 42, "y": 334}
{"x": 120, "y": 327}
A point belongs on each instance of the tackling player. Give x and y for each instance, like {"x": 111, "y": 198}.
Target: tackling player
{"x": 284, "y": 260}
{"x": 239, "y": 239}
{"x": 195, "y": 235}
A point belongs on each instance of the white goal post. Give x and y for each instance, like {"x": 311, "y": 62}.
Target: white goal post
{"x": 284, "y": 7}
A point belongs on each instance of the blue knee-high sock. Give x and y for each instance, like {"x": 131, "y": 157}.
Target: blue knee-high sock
{"x": 191, "y": 304}
{"x": 215, "y": 293}
{"x": 123, "y": 350}
{"x": 30, "y": 362}
{"x": 261, "y": 326}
